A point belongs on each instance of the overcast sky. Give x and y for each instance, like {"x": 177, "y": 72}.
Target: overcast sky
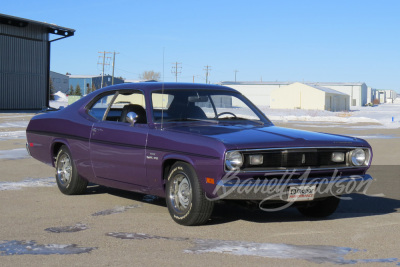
{"x": 320, "y": 41}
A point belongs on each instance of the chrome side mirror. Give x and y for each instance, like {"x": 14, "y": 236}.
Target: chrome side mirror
{"x": 131, "y": 117}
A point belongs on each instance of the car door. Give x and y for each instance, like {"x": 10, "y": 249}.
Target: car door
{"x": 118, "y": 148}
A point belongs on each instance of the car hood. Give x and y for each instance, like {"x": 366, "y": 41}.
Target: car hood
{"x": 250, "y": 136}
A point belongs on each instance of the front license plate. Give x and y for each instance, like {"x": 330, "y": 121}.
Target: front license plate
{"x": 301, "y": 193}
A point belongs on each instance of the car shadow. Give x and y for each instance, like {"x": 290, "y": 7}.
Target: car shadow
{"x": 230, "y": 211}
{"x": 358, "y": 206}
{"x": 94, "y": 189}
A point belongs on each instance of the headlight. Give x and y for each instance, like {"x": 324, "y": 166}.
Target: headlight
{"x": 359, "y": 157}
{"x": 233, "y": 160}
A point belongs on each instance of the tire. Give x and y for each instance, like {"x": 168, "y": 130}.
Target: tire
{"x": 320, "y": 209}
{"x": 186, "y": 200}
{"x": 68, "y": 180}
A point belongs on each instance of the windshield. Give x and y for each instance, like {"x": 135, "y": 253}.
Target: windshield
{"x": 204, "y": 105}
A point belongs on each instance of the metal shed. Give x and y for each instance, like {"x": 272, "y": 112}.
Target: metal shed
{"x": 306, "y": 96}
{"x": 25, "y": 61}
{"x": 260, "y": 92}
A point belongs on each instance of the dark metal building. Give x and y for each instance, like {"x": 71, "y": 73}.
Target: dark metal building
{"x": 87, "y": 82}
{"x": 60, "y": 82}
{"x": 25, "y": 61}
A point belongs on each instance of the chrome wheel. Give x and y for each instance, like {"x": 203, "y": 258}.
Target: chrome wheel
{"x": 68, "y": 180}
{"x": 180, "y": 193}
{"x": 186, "y": 200}
{"x": 64, "y": 169}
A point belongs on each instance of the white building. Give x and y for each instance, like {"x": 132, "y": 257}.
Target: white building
{"x": 306, "y": 96}
{"x": 391, "y": 95}
{"x": 259, "y": 92}
{"x": 357, "y": 91}
{"x": 371, "y": 95}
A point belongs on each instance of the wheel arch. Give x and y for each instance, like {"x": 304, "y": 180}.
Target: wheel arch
{"x": 170, "y": 161}
{"x": 55, "y": 147}
{"x": 186, "y": 201}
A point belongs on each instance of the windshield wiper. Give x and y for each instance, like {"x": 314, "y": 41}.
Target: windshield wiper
{"x": 190, "y": 119}
{"x": 244, "y": 119}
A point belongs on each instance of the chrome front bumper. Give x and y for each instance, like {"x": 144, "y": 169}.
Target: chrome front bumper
{"x": 278, "y": 190}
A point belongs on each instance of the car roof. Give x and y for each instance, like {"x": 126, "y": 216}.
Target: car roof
{"x": 154, "y": 86}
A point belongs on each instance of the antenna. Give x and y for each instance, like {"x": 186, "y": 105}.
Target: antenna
{"x": 162, "y": 91}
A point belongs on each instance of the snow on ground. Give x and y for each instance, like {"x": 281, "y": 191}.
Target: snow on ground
{"x": 384, "y": 115}
{"x": 14, "y": 124}
{"x": 29, "y": 182}
{"x": 13, "y": 154}
{"x": 12, "y": 135}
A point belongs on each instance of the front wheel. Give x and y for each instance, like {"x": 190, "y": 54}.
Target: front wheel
{"x": 321, "y": 208}
{"x": 185, "y": 198}
{"x": 68, "y": 180}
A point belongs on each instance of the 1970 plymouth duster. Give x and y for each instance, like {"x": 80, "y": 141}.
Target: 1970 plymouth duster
{"x": 193, "y": 144}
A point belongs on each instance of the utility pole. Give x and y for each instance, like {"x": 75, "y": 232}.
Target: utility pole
{"x": 175, "y": 70}
{"x": 207, "y": 69}
{"x": 103, "y": 64}
{"x": 113, "y": 66}
{"x": 236, "y": 71}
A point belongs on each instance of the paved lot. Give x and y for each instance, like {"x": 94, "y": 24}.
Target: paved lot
{"x": 107, "y": 227}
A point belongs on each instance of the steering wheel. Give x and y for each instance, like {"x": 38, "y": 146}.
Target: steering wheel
{"x": 225, "y": 113}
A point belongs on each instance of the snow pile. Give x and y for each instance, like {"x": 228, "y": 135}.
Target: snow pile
{"x": 60, "y": 100}
{"x": 60, "y": 97}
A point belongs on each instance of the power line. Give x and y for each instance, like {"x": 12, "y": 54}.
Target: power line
{"x": 207, "y": 69}
{"x": 175, "y": 70}
{"x": 236, "y": 71}
{"x": 113, "y": 66}
{"x": 103, "y": 64}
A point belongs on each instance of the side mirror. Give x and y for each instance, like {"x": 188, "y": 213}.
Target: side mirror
{"x": 131, "y": 117}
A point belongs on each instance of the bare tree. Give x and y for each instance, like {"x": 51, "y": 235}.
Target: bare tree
{"x": 150, "y": 75}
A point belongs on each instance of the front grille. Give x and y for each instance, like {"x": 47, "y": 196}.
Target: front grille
{"x": 282, "y": 159}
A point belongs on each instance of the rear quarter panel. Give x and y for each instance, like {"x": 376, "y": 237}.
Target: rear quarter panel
{"x": 46, "y": 132}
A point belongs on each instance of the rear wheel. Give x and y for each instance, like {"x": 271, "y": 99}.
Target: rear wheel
{"x": 68, "y": 180}
{"x": 321, "y": 208}
{"x": 185, "y": 198}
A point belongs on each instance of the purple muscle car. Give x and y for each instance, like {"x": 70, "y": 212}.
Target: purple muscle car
{"x": 193, "y": 144}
